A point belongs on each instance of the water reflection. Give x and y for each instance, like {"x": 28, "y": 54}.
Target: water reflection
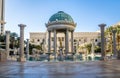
{"x": 76, "y": 57}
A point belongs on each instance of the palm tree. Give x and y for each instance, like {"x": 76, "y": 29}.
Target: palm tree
{"x": 117, "y": 27}
{"x": 108, "y": 34}
{"x": 98, "y": 49}
{"x": 80, "y": 49}
{"x": 88, "y": 47}
{"x": 13, "y": 39}
{"x": 118, "y": 36}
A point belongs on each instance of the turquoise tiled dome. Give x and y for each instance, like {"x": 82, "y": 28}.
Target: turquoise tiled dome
{"x": 61, "y": 16}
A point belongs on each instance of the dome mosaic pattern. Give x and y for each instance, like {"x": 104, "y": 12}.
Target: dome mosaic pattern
{"x": 61, "y": 16}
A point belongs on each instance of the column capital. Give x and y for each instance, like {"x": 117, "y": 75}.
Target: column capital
{"x": 114, "y": 31}
{"x": 7, "y": 32}
{"x": 49, "y": 31}
{"x": 21, "y": 25}
{"x": 27, "y": 39}
{"x": 72, "y": 30}
{"x": 67, "y": 29}
{"x": 102, "y": 25}
{"x": 54, "y": 29}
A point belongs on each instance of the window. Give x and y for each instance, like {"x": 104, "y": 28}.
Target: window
{"x": 62, "y": 38}
{"x": 95, "y": 40}
{"x": 33, "y": 40}
{"x": 75, "y": 40}
{"x": 85, "y": 40}
{"x": 38, "y": 40}
{"x": 79, "y": 39}
{"x": 59, "y": 39}
{"x": 52, "y": 39}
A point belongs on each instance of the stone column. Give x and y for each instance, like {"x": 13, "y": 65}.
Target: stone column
{"x": 7, "y": 43}
{"x": 66, "y": 41}
{"x": 102, "y": 41}
{"x": 55, "y": 43}
{"x": 114, "y": 43}
{"x": 72, "y": 42}
{"x": 92, "y": 49}
{"x": 27, "y": 49}
{"x": 49, "y": 44}
{"x": 49, "y": 41}
{"x": 22, "y": 58}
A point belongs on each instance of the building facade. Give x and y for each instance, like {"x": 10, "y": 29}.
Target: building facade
{"x": 60, "y": 35}
{"x": 2, "y": 16}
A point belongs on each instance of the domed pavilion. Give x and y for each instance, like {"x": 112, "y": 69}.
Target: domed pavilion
{"x": 61, "y": 22}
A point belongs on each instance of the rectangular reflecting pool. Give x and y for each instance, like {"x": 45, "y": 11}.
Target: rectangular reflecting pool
{"x": 77, "y": 58}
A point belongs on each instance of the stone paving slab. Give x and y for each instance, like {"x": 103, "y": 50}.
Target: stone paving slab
{"x": 95, "y": 69}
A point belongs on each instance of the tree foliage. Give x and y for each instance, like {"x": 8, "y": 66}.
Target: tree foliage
{"x": 14, "y": 40}
{"x": 31, "y": 46}
{"x": 109, "y": 37}
{"x": 88, "y": 47}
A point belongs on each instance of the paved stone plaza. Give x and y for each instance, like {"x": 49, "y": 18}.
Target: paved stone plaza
{"x": 98, "y": 69}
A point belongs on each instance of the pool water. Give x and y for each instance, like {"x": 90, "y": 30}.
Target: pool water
{"x": 76, "y": 58}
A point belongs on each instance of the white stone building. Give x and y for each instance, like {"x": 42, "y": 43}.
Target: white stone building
{"x": 60, "y": 35}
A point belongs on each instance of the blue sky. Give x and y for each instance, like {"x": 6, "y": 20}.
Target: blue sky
{"x": 35, "y": 13}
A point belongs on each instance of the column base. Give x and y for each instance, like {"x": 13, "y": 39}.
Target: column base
{"x": 118, "y": 55}
{"x": 103, "y": 58}
{"x": 3, "y": 56}
{"x": 21, "y": 59}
